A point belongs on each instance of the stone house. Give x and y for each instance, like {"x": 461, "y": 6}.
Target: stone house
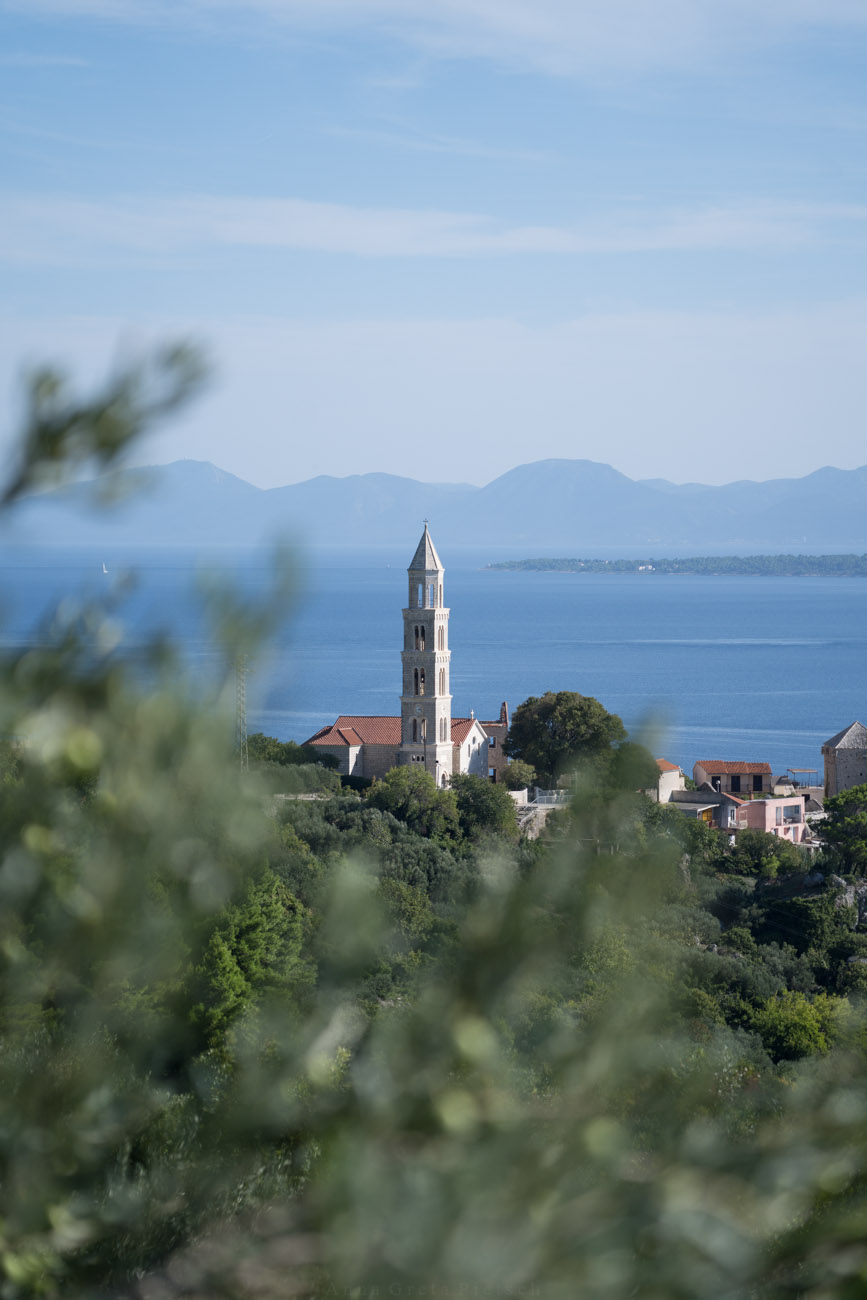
{"x": 845, "y": 758}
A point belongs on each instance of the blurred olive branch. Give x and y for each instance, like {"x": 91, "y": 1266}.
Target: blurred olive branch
{"x": 65, "y": 434}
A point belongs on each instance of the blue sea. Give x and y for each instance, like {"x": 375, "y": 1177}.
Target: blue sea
{"x": 763, "y": 669}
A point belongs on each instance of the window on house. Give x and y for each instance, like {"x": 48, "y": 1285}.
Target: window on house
{"x": 492, "y": 742}
{"x": 736, "y": 785}
{"x": 779, "y": 815}
{"x": 757, "y": 785}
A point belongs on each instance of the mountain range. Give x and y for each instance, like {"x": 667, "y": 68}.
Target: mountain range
{"x": 570, "y": 506}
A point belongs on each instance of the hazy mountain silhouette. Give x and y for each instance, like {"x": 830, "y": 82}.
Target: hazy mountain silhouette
{"x": 570, "y": 505}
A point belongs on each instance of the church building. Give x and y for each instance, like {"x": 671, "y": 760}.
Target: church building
{"x": 425, "y": 732}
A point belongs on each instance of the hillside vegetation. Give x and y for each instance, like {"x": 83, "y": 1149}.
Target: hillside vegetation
{"x": 342, "y": 1043}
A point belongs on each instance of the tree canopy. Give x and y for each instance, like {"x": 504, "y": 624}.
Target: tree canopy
{"x": 845, "y": 828}
{"x": 556, "y": 731}
{"x": 411, "y": 794}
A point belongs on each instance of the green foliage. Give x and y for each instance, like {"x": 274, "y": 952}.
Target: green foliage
{"x": 556, "y": 731}
{"x": 411, "y": 794}
{"x": 519, "y": 775}
{"x": 65, "y": 435}
{"x": 632, "y": 767}
{"x": 484, "y": 808}
{"x": 845, "y": 829}
{"x": 793, "y": 1026}
{"x": 758, "y": 853}
{"x": 326, "y": 1047}
{"x": 296, "y": 779}
{"x": 265, "y": 749}
{"x": 253, "y": 952}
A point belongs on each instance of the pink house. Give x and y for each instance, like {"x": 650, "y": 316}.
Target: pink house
{"x": 783, "y": 817}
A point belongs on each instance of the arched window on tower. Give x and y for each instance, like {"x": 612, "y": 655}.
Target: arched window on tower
{"x": 442, "y": 681}
{"x": 442, "y": 728}
{"x": 424, "y": 728}
{"x": 432, "y": 594}
{"x": 419, "y": 598}
{"x": 421, "y": 637}
{"x": 420, "y": 682}
{"x": 441, "y": 594}
{"x": 441, "y": 638}
{"x": 415, "y": 682}
{"x": 414, "y": 729}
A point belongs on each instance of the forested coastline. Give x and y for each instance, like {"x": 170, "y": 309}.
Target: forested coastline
{"x": 783, "y": 566}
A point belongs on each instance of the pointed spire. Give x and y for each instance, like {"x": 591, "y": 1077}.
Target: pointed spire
{"x": 425, "y": 559}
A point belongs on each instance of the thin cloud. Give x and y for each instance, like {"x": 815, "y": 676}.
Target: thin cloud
{"x": 62, "y": 230}
{"x": 441, "y": 144}
{"x": 562, "y": 37}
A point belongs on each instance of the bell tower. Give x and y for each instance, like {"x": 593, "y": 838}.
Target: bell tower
{"x": 425, "y": 701}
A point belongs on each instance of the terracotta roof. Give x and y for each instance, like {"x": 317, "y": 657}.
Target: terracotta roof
{"x": 353, "y": 729}
{"x": 852, "y": 737}
{"x": 717, "y": 767}
{"x": 461, "y": 728}
{"x": 664, "y": 765}
{"x": 425, "y": 558}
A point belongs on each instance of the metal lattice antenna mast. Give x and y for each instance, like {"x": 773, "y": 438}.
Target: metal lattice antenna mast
{"x": 241, "y": 670}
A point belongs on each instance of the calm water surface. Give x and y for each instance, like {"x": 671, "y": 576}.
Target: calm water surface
{"x": 755, "y": 668}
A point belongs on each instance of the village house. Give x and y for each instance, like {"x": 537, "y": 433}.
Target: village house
{"x": 845, "y": 758}
{"x": 785, "y": 818}
{"x": 671, "y": 778}
{"x": 714, "y": 807}
{"x": 424, "y": 733}
{"x": 745, "y": 779}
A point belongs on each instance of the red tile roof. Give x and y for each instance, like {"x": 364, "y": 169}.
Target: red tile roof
{"x": 353, "y": 729}
{"x": 664, "y": 765}
{"x": 717, "y": 767}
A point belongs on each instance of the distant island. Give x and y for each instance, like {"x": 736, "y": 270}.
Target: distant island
{"x": 785, "y": 566}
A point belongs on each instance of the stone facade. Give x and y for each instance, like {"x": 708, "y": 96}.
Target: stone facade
{"x": 425, "y": 700}
{"x": 425, "y": 733}
{"x": 845, "y": 758}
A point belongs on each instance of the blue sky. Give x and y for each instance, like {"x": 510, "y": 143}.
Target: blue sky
{"x": 443, "y": 238}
